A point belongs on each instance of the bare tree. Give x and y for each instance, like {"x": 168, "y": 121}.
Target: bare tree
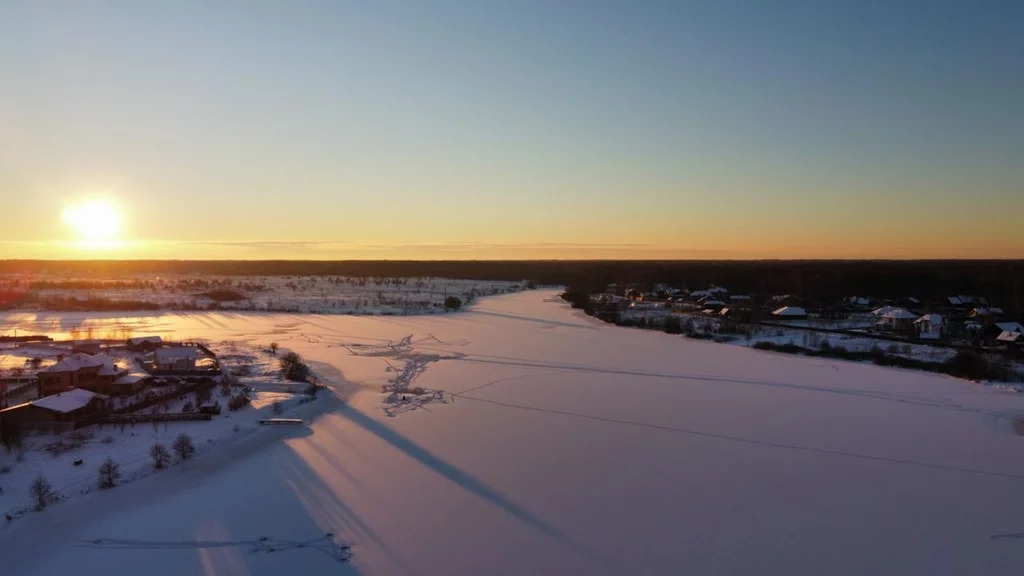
{"x": 110, "y": 473}
{"x": 160, "y": 455}
{"x": 184, "y": 447}
{"x": 42, "y": 492}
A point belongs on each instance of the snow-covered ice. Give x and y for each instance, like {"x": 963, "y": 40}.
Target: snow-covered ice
{"x": 571, "y": 447}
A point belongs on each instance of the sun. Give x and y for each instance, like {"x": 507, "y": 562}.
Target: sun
{"x": 93, "y": 221}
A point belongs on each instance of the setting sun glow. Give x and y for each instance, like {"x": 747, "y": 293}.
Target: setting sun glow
{"x": 93, "y": 221}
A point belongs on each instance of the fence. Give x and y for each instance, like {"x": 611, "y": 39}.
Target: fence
{"x": 139, "y": 418}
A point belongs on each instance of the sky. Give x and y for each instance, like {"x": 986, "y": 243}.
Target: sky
{"x": 512, "y": 129}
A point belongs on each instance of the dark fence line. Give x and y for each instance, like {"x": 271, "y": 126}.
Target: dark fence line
{"x": 137, "y": 418}
{"x": 186, "y": 373}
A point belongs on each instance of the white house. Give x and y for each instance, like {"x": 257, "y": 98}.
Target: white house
{"x": 176, "y": 358}
{"x": 929, "y": 327}
{"x": 895, "y": 318}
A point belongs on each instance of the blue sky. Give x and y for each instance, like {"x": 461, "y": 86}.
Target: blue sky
{"x": 516, "y": 129}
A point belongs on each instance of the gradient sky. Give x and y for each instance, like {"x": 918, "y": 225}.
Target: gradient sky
{"x": 515, "y": 129}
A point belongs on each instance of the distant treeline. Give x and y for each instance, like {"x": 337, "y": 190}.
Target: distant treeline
{"x": 1001, "y": 281}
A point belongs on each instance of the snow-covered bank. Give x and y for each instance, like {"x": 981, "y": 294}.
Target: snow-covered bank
{"x": 574, "y": 447}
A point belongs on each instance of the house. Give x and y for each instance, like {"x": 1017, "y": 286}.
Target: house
{"x": 785, "y": 301}
{"x": 741, "y": 300}
{"x": 1010, "y": 338}
{"x": 176, "y": 358}
{"x": 86, "y": 346}
{"x": 129, "y": 383}
{"x": 52, "y": 413}
{"x": 144, "y": 343}
{"x": 69, "y": 372}
{"x": 891, "y": 318}
{"x": 790, "y": 313}
{"x": 95, "y": 373}
{"x": 858, "y": 302}
{"x": 984, "y": 315}
{"x": 993, "y": 331}
{"x": 1009, "y": 326}
{"x": 930, "y": 327}
{"x": 713, "y": 304}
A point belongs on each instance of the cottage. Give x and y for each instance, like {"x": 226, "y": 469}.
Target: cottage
{"x": 129, "y": 383}
{"x": 52, "y": 413}
{"x": 94, "y": 373}
{"x": 1010, "y": 338}
{"x": 69, "y": 372}
{"x": 144, "y": 343}
{"x": 930, "y": 327}
{"x": 790, "y": 313}
{"x": 713, "y": 304}
{"x": 859, "y": 302}
{"x": 741, "y": 300}
{"x": 895, "y": 318}
{"x": 176, "y": 358}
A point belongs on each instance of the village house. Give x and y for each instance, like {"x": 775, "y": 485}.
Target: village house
{"x": 53, "y": 413}
{"x": 175, "y": 358}
{"x": 1003, "y": 332}
{"x": 70, "y": 372}
{"x": 144, "y": 343}
{"x": 930, "y": 327}
{"x": 790, "y": 313}
{"x": 97, "y": 373}
{"x": 1010, "y": 339}
{"x": 894, "y": 318}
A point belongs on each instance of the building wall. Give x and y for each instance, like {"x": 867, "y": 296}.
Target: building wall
{"x": 51, "y": 383}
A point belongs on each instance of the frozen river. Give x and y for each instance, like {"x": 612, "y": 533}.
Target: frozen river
{"x": 572, "y": 447}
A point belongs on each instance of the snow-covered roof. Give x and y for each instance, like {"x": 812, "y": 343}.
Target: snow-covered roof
{"x": 898, "y": 314}
{"x": 108, "y": 365}
{"x": 790, "y": 311}
{"x": 741, "y": 297}
{"x": 954, "y": 300}
{"x": 1010, "y": 326}
{"x": 714, "y": 303}
{"x": 132, "y": 378}
{"x": 1010, "y": 337}
{"x": 69, "y": 401}
{"x": 981, "y": 312}
{"x": 164, "y": 355}
{"x": 145, "y": 340}
{"x": 995, "y": 310}
{"x": 73, "y": 363}
{"x": 883, "y": 310}
{"x": 933, "y": 319}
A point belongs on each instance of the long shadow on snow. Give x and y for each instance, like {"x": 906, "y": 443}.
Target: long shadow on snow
{"x": 322, "y": 501}
{"x": 454, "y": 474}
{"x": 543, "y": 321}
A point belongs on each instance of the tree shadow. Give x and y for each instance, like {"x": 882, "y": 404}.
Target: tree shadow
{"x": 461, "y": 478}
{"x": 327, "y": 509}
